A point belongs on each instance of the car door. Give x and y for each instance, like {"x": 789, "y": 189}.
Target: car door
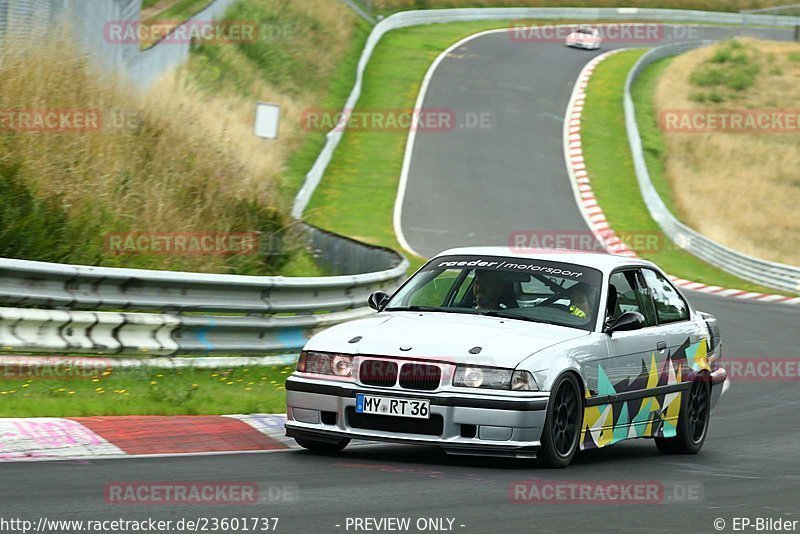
{"x": 620, "y": 382}
{"x": 685, "y": 338}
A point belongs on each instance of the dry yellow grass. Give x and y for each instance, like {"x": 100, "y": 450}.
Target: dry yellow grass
{"x": 740, "y": 189}
{"x": 224, "y": 107}
{"x": 179, "y": 159}
{"x": 158, "y": 170}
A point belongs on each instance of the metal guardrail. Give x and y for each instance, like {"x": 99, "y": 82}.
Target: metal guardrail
{"x": 264, "y": 313}
{"x": 767, "y": 273}
{"x": 432, "y": 16}
{"x": 29, "y": 330}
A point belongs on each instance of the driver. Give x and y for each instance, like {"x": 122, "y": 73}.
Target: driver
{"x": 579, "y": 301}
{"x": 488, "y": 290}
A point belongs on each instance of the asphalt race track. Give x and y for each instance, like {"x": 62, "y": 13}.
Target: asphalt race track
{"x": 475, "y": 188}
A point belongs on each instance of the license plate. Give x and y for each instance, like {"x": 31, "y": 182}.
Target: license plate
{"x": 418, "y": 408}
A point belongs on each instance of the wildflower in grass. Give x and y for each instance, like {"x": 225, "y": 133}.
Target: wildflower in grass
{"x": 229, "y": 383}
{"x": 153, "y": 382}
{"x": 25, "y": 385}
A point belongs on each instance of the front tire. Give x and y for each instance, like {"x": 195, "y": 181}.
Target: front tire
{"x": 562, "y": 427}
{"x": 693, "y": 421}
{"x": 328, "y": 447}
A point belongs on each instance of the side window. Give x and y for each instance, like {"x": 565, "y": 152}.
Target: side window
{"x": 670, "y": 306}
{"x": 623, "y": 284}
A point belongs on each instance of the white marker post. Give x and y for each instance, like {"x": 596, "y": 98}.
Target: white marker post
{"x": 267, "y": 118}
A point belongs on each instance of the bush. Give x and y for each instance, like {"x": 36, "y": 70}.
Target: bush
{"x": 733, "y": 66}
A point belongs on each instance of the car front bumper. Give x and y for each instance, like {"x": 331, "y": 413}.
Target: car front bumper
{"x": 503, "y": 425}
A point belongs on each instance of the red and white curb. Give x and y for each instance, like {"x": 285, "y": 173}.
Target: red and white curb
{"x": 591, "y": 210}
{"x": 50, "y": 438}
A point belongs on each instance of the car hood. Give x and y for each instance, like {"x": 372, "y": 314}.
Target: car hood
{"x": 443, "y": 336}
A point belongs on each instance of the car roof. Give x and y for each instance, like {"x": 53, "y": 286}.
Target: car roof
{"x": 599, "y": 260}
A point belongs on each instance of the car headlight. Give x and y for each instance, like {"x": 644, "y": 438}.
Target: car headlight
{"x": 467, "y": 376}
{"x": 324, "y": 363}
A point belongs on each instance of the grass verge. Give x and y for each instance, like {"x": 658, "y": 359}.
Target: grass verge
{"x": 652, "y": 138}
{"x": 610, "y": 166}
{"x": 147, "y": 391}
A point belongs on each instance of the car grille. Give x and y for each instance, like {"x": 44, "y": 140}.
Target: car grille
{"x": 419, "y": 376}
{"x": 378, "y": 373}
{"x": 404, "y": 425}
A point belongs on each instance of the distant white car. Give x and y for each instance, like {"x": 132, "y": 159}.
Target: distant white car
{"x": 587, "y": 38}
{"x": 484, "y": 351}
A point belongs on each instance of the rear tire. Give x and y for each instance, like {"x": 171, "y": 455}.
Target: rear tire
{"x": 562, "y": 428}
{"x": 693, "y": 421}
{"x": 329, "y": 447}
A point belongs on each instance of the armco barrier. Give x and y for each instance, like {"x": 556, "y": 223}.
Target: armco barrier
{"x": 767, "y": 273}
{"x": 263, "y": 313}
{"x": 415, "y": 18}
{"x": 148, "y": 334}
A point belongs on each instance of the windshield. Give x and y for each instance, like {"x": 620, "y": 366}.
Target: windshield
{"x": 525, "y": 289}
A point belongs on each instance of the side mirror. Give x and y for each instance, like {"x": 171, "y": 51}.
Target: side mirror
{"x": 378, "y": 300}
{"x": 627, "y": 321}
